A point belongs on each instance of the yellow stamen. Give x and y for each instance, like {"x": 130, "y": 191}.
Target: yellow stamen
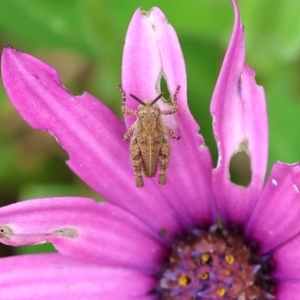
{"x": 204, "y": 276}
{"x": 229, "y": 259}
{"x": 205, "y": 258}
{"x": 221, "y": 292}
{"x": 182, "y": 280}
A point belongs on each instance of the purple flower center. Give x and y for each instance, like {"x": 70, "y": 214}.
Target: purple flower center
{"x": 215, "y": 264}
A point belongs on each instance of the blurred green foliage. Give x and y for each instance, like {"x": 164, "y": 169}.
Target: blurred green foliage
{"x": 83, "y": 39}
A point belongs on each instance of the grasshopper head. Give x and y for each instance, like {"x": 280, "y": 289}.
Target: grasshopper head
{"x": 148, "y": 108}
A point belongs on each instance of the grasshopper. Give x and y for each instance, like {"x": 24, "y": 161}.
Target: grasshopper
{"x": 149, "y": 145}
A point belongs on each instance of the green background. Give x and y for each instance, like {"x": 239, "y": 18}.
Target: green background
{"x": 83, "y": 39}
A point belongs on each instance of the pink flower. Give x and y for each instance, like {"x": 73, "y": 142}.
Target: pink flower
{"x": 155, "y": 242}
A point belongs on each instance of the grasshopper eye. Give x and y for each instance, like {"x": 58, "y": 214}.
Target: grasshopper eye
{"x": 155, "y": 113}
{"x": 141, "y": 113}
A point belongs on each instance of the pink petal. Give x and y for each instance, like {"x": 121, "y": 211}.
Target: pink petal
{"x": 89, "y": 132}
{"x": 53, "y": 276}
{"x": 288, "y": 290}
{"x": 287, "y": 260}
{"x": 151, "y": 50}
{"x": 275, "y": 218}
{"x": 82, "y": 228}
{"x": 239, "y": 118}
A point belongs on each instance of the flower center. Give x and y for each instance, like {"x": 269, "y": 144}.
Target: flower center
{"x": 215, "y": 264}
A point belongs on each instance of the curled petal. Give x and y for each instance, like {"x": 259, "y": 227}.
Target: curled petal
{"x": 82, "y": 228}
{"x": 275, "y": 218}
{"x": 240, "y": 124}
{"x": 152, "y": 50}
{"x": 53, "y": 276}
{"x": 89, "y": 132}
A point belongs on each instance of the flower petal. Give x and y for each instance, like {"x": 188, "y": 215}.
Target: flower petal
{"x": 82, "y": 228}
{"x": 53, "y": 276}
{"x": 89, "y": 132}
{"x": 287, "y": 260}
{"x": 152, "y": 50}
{"x": 275, "y": 218}
{"x": 240, "y": 123}
{"x": 288, "y": 290}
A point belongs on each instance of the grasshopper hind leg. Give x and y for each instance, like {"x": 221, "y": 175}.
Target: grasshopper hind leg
{"x": 164, "y": 160}
{"x": 137, "y": 164}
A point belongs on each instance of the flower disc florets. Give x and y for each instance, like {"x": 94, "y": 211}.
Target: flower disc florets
{"x": 215, "y": 264}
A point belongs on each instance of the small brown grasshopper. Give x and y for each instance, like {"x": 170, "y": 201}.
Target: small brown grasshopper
{"x": 150, "y": 144}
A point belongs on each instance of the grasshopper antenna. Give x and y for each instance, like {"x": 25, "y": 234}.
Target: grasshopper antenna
{"x": 156, "y": 99}
{"x": 137, "y": 99}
